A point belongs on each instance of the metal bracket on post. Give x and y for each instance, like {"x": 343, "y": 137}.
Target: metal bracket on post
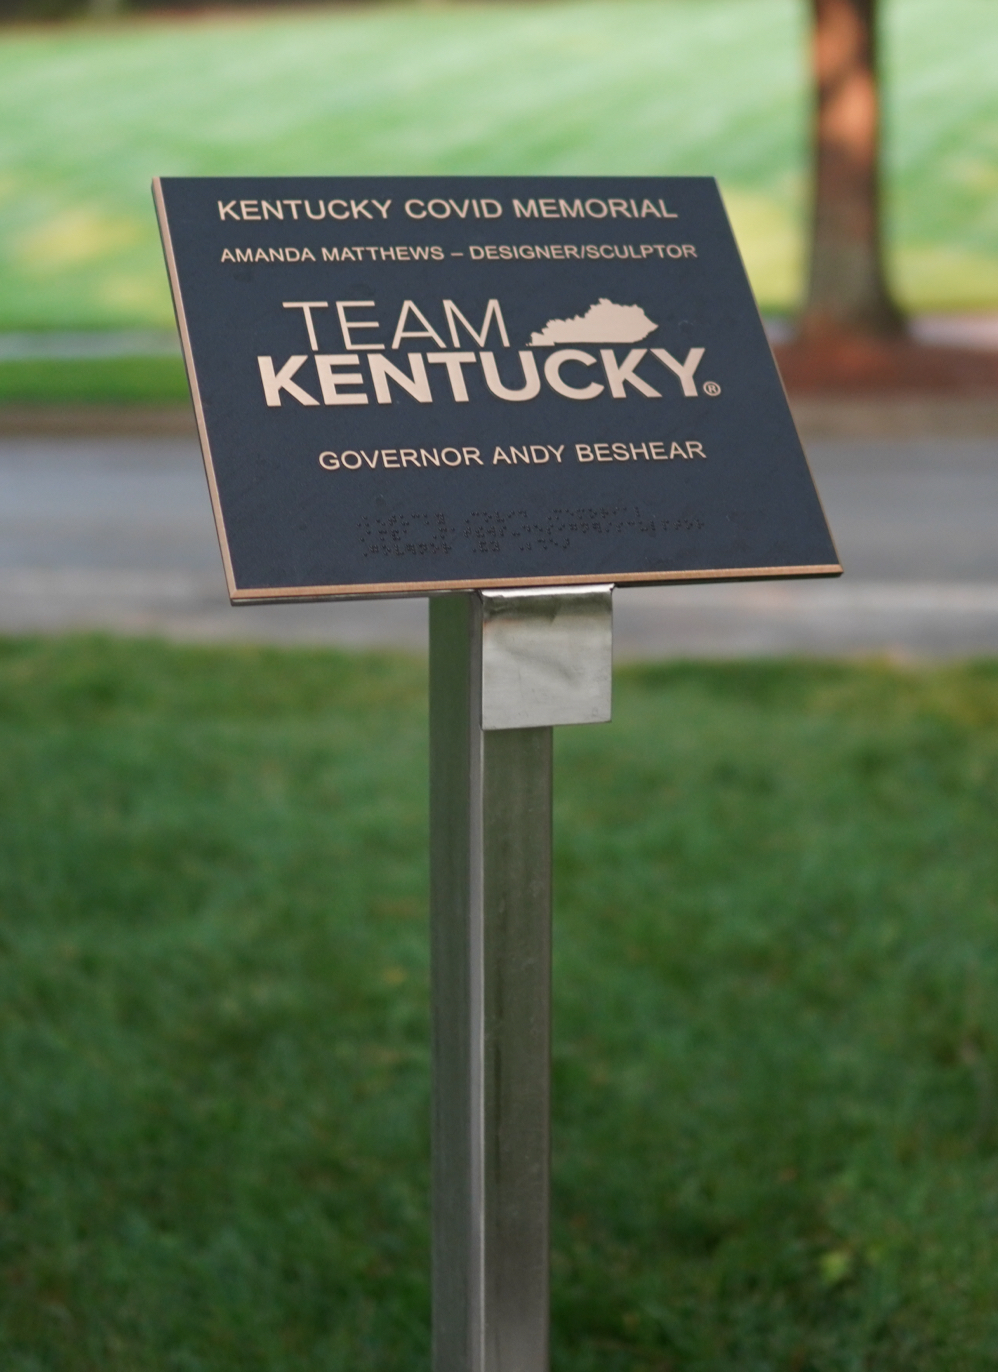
{"x": 505, "y": 666}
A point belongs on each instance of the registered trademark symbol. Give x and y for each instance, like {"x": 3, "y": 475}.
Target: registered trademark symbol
{"x": 711, "y": 388}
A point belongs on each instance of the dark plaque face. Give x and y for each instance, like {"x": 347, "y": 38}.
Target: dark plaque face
{"x": 414, "y": 384}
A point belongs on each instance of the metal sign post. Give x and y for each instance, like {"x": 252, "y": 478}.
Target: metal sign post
{"x": 509, "y": 394}
{"x": 504, "y": 668}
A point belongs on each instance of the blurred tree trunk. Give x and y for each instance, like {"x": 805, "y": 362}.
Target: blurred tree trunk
{"x": 847, "y": 289}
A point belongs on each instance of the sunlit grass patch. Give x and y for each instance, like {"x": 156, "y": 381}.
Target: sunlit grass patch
{"x": 716, "y": 87}
{"x": 118, "y": 380}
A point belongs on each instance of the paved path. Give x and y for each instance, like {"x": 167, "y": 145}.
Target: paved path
{"x": 117, "y": 534}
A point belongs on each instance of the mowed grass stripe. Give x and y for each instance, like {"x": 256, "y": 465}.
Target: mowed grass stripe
{"x": 775, "y": 1135}
{"x": 94, "y": 381}
{"x": 632, "y": 86}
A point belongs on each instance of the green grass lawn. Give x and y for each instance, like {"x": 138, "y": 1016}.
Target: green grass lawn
{"x": 90, "y": 113}
{"x": 94, "y": 381}
{"x": 776, "y": 987}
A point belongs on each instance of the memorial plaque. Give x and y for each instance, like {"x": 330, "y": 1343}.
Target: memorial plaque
{"x": 409, "y": 384}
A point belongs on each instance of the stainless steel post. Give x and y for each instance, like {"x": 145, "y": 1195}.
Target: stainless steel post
{"x": 504, "y": 667}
